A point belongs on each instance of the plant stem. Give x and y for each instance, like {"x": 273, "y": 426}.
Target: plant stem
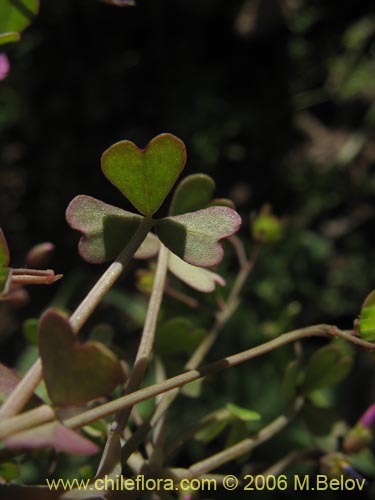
{"x": 30, "y": 418}
{"x": 142, "y": 357}
{"x": 244, "y": 446}
{"x": 151, "y": 391}
{"x": 24, "y": 390}
{"x": 229, "y": 307}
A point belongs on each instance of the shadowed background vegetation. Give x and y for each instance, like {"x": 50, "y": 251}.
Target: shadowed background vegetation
{"x": 273, "y": 98}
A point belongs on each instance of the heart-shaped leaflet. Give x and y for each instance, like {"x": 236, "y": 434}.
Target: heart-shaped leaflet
{"x": 74, "y": 372}
{"x": 195, "y": 237}
{"x": 145, "y": 176}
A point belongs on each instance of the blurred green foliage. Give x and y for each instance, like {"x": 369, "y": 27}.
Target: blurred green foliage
{"x": 275, "y": 99}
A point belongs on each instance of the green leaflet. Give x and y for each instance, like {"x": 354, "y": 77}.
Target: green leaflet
{"x": 15, "y": 16}
{"x": 145, "y": 176}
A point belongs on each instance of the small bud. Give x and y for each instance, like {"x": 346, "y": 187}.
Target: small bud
{"x": 362, "y": 434}
{"x": 145, "y": 279}
{"x": 39, "y": 255}
{"x": 266, "y": 227}
{"x": 4, "y": 66}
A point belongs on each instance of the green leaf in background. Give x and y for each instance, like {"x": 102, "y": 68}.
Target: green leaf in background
{"x": 291, "y": 380}
{"x": 238, "y": 431}
{"x": 16, "y": 15}
{"x": 198, "y": 278}
{"x": 106, "y": 229}
{"x": 193, "y": 389}
{"x": 327, "y": 366}
{"x": 74, "y": 373}
{"x": 146, "y": 176}
{"x": 243, "y": 413}
{"x": 367, "y": 318}
{"x": 193, "y": 193}
{"x": 319, "y": 420}
{"x": 178, "y": 336}
{"x": 212, "y": 430}
{"x": 30, "y": 330}
{"x": 9, "y": 37}
{"x": 4, "y": 251}
{"x": 9, "y": 471}
{"x": 5, "y": 277}
{"x": 195, "y": 237}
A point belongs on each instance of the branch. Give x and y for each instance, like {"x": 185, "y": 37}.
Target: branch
{"x": 151, "y": 391}
{"x": 142, "y": 358}
{"x": 26, "y": 387}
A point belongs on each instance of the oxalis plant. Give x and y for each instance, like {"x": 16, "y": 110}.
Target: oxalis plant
{"x": 91, "y": 392}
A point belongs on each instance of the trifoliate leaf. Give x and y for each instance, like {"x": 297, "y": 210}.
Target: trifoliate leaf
{"x": 195, "y": 237}
{"x": 145, "y": 176}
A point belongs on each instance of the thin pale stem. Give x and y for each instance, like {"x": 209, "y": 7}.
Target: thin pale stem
{"x": 30, "y": 418}
{"x": 292, "y": 457}
{"x": 151, "y": 391}
{"x": 228, "y": 309}
{"x": 143, "y": 355}
{"x": 24, "y": 390}
{"x": 130, "y": 400}
{"x": 244, "y": 446}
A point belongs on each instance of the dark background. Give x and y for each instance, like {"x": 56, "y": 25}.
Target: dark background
{"x": 274, "y": 99}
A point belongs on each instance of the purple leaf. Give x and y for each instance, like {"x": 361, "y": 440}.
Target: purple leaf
{"x": 195, "y": 237}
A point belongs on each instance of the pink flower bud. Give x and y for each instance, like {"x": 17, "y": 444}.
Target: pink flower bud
{"x": 4, "y": 66}
{"x": 368, "y": 418}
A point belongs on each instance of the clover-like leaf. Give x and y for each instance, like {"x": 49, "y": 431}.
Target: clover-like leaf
{"x": 15, "y": 16}
{"x": 145, "y": 176}
{"x": 195, "y": 237}
{"x": 74, "y": 373}
{"x": 52, "y": 435}
{"x": 198, "y": 278}
{"x": 106, "y": 229}
{"x": 367, "y": 318}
